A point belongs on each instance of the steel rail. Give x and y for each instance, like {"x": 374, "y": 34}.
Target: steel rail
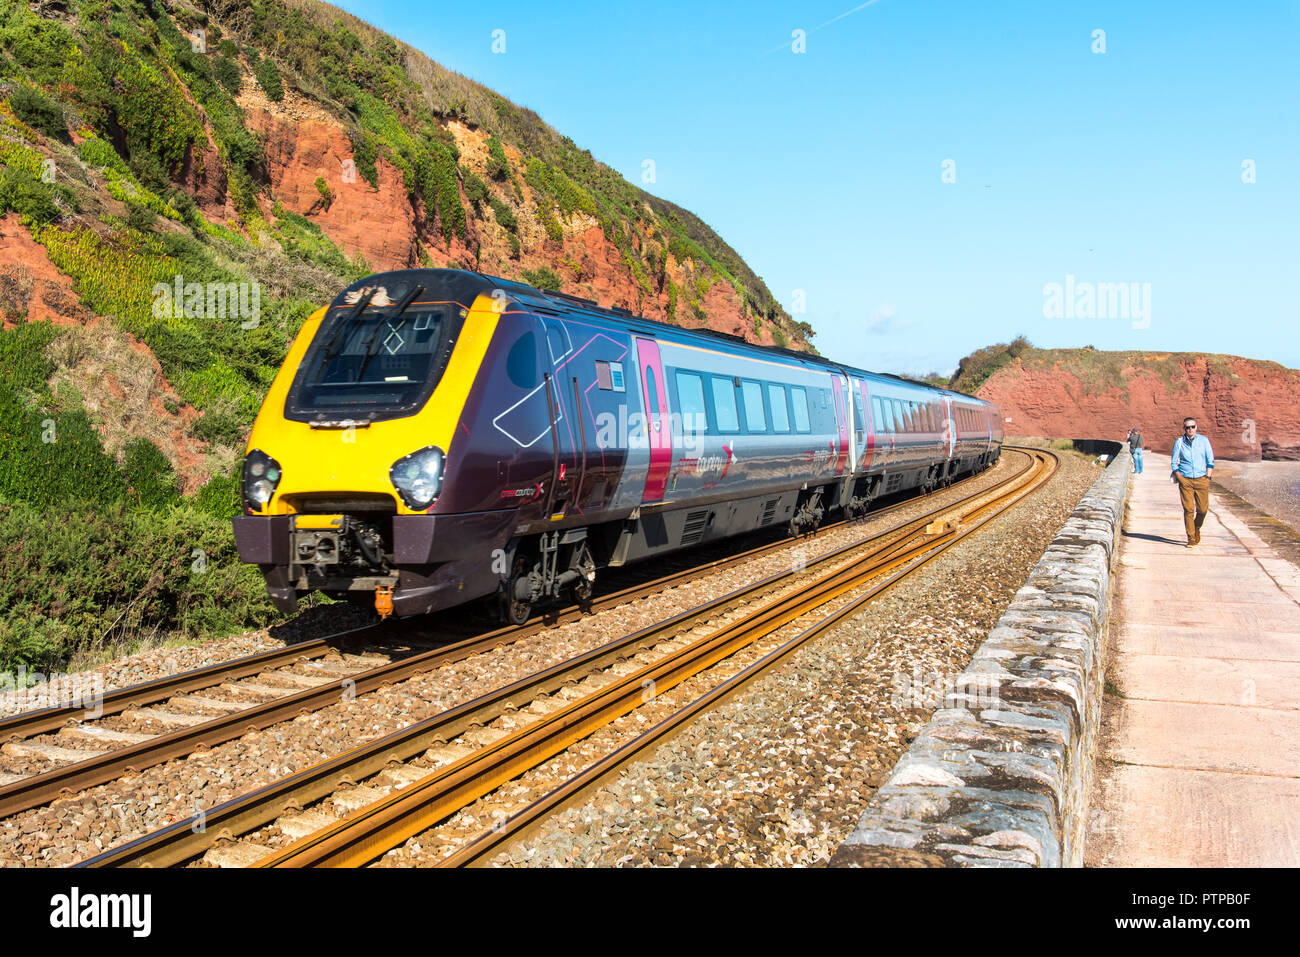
{"x": 42, "y": 788}
{"x": 529, "y": 818}
{"x": 28, "y": 724}
{"x": 376, "y": 828}
{"x": 242, "y": 814}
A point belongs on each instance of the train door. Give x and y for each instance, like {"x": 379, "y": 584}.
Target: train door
{"x": 564, "y": 420}
{"x": 656, "y": 415}
{"x": 949, "y": 429}
{"x": 862, "y": 425}
{"x": 882, "y": 421}
{"x": 839, "y": 387}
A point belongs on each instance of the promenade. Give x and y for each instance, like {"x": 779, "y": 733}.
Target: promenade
{"x": 1199, "y": 760}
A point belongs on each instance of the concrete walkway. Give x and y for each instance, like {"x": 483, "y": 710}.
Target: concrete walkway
{"x": 1199, "y": 760}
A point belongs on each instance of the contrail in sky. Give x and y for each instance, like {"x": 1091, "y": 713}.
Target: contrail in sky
{"x": 846, "y": 13}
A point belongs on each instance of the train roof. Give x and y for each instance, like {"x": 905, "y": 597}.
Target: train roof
{"x": 464, "y": 286}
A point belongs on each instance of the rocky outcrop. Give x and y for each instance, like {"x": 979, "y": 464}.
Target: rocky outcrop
{"x": 1245, "y": 406}
{"x": 377, "y": 223}
{"x": 304, "y": 144}
{"x": 31, "y": 288}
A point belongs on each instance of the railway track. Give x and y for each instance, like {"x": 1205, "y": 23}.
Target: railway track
{"x": 291, "y": 681}
{"x": 405, "y": 782}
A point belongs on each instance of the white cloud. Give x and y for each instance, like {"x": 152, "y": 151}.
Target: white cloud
{"x": 883, "y": 320}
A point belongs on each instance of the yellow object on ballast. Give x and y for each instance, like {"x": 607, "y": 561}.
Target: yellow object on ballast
{"x": 301, "y": 522}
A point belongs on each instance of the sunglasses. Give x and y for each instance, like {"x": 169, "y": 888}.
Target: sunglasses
{"x": 1189, "y": 428}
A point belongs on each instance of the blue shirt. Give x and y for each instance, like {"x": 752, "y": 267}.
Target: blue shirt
{"x": 1192, "y": 459}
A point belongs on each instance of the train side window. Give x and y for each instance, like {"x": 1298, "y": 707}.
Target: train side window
{"x": 690, "y": 401}
{"x": 752, "y": 393}
{"x": 521, "y": 362}
{"x": 877, "y": 417}
{"x": 799, "y": 399}
{"x": 780, "y": 411}
{"x": 609, "y": 375}
{"x": 652, "y": 394}
{"x": 724, "y": 404}
{"x": 899, "y": 424}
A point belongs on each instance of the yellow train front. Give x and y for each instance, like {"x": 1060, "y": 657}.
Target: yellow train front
{"x": 346, "y": 483}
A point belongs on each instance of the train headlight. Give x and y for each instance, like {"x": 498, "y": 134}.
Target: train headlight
{"x": 418, "y": 477}
{"x": 261, "y": 476}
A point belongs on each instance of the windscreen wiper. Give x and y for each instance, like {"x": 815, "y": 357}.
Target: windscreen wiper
{"x": 336, "y": 340}
{"x": 372, "y": 347}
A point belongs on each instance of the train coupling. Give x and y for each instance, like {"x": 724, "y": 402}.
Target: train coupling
{"x": 384, "y": 601}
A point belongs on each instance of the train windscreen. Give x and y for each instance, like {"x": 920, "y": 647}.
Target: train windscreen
{"x": 379, "y": 363}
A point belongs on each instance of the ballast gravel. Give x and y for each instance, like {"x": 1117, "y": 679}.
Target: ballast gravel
{"x": 82, "y": 825}
{"x": 779, "y": 774}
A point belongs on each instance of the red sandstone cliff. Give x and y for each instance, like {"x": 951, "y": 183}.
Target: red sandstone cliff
{"x": 1246, "y": 407}
{"x": 303, "y": 143}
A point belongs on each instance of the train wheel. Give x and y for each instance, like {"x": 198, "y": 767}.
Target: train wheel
{"x": 517, "y": 612}
{"x": 582, "y": 590}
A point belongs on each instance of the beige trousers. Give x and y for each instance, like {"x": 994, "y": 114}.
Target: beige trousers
{"x": 1195, "y": 494}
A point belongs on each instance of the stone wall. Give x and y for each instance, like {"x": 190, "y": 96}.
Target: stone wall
{"x": 1001, "y": 775}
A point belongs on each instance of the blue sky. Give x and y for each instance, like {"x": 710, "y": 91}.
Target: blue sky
{"x": 825, "y": 169}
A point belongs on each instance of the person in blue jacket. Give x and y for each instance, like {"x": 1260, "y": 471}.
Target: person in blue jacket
{"x": 1192, "y": 466}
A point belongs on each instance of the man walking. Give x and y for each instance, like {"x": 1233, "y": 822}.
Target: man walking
{"x": 1135, "y": 448}
{"x": 1192, "y": 466}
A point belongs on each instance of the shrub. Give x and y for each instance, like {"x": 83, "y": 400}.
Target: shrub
{"x": 226, "y": 71}
{"x": 364, "y": 153}
{"x": 549, "y": 222}
{"x": 324, "y": 191}
{"x": 543, "y": 278}
{"x": 498, "y": 166}
{"x": 268, "y": 78}
{"x": 476, "y": 190}
{"x": 150, "y": 478}
{"x": 39, "y": 112}
{"x": 46, "y": 456}
{"x": 503, "y": 215}
{"x": 159, "y": 123}
{"x": 976, "y": 369}
{"x": 27, "y": 196}
{"x": 117, "y": 577}
{"x": 441, "y": 189}
{"x": 96, "y": 152}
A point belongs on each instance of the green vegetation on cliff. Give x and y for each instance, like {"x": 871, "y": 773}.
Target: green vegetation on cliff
{"x": 127, "y": 157}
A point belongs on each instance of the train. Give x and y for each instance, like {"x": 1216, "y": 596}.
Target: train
{"x": 439, "y": 436}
